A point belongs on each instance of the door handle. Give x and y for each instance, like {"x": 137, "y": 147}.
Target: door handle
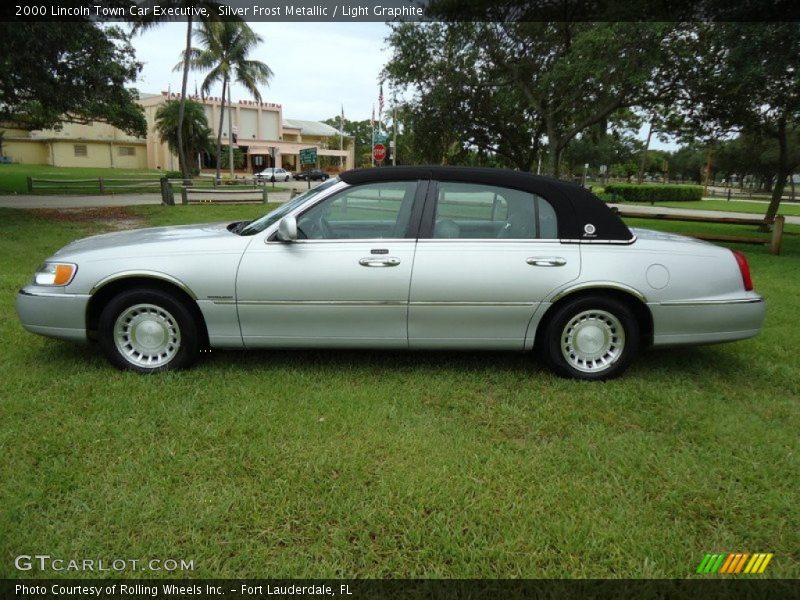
{"x": 378, "y": 261}
{"x": 546, "y": 261}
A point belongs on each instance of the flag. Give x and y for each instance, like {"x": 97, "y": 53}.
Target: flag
{"x": 342, "y": 122}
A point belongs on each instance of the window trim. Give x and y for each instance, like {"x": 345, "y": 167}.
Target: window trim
{"x": 85, "y": 150}
{"x": 429, "y": 216}
{"x": 412, "y": 230}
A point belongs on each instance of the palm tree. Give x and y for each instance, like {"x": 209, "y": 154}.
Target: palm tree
{"x": 150, "y": 21}
{"x": 194, "y": 130}
{"x": 224, "y": 51}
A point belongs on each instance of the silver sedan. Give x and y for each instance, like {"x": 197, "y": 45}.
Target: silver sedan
{"x": 407, "y": 257}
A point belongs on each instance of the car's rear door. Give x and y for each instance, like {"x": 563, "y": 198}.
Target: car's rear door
{"x": 345, "y": 282}
{"x": 486, "y": 258}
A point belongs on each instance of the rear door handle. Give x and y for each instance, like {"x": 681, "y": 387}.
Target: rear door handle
{"x": 546, "y": 261}
{"x": 379, "y": 261}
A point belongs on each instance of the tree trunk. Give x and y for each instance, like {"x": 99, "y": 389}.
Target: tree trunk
{"x": 184, "y": 166}
{"x": 221, "y": 120}
{"x": 642, "y": 163}
{"x": 783, "y": 172}
{"x": 555, "y": 160}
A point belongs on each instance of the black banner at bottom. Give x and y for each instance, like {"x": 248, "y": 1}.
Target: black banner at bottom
{"x": 370, "y": 589}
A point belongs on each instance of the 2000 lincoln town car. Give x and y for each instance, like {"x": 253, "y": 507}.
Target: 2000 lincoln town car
{"x": 407, "y": 257}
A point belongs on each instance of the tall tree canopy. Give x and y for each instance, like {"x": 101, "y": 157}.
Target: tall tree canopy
{"x": 512, "y": 84}
{"x": 743, "y": 77}
{"x": 54, "y": 72}
{"x": 224, "y": 52}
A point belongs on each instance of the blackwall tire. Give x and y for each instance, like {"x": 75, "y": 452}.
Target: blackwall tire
{"x": 148, "y": 331}
{"x": 591, "y": 338}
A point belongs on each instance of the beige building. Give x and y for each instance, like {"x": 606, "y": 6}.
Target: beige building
{"x": 262, "y": 134}
{"x": 73, "y": 145}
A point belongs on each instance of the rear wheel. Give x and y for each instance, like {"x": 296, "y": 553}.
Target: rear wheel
{"x": 590, "y": 338}
{"x": 148, "y": 331}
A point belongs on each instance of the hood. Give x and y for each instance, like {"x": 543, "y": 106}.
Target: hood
{"x": 152, "y": 240}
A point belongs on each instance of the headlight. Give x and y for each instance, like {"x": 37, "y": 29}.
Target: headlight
{"x": 55, "y": 274}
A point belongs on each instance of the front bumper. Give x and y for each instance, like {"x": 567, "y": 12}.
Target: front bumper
{"x": 707, "y": 321}
{"x": 53, "y": 313}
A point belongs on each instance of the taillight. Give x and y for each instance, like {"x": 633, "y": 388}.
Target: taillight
{"x": 744, "y": 269}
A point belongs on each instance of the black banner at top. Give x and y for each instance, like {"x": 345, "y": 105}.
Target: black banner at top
{"x": 404, "y": 10}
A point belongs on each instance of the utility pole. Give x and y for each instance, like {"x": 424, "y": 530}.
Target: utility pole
{"x": 394, "y": 136}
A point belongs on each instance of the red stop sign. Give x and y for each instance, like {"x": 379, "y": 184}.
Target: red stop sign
{"x": 379, "y": 152}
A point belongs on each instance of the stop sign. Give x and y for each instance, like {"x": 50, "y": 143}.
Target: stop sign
{"x": 379, "y": 152}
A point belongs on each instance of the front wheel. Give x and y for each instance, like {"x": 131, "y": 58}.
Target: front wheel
{"x": 148, "y": 331}
{"x": 590, "y": 338}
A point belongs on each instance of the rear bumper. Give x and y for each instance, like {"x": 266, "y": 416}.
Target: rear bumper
{"x": 53, "y": 313}
{"x": 707, "y": 321}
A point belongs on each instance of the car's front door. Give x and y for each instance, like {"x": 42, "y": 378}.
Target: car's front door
{"x": 344, "y": 282}
{"x": 490, "y": 256}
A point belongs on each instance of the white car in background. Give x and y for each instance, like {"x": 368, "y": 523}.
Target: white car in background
{"x": 275, "y": 174}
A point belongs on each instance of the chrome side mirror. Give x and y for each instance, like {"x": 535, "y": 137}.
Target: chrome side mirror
{"x": 287, "y": 229}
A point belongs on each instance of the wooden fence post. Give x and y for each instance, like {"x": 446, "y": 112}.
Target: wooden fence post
{"x": 777, "y": 235}
{"x": 264, "y": 194}
{"x": 102, "y": 186}
{"x": 184, "y": 196}
{"x": 30, "y": 184}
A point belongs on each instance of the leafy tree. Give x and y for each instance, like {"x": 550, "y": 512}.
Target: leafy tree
{"x": 361, "y": 132}
{"x": 225, "y": 47}
{"x": 149, "y": 21}
{"x": 74, "y": 72}
{"x": 195, "y": 131}
{"x": 743, "y": 77}
{"x": 505, "y": 84}
{"x": 238, "y": 159}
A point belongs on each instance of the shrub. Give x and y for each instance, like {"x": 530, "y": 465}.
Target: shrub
{"x": 631, "y": 192}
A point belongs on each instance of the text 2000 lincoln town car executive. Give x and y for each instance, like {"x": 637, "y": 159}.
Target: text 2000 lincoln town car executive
{"x": 406, "y": 257}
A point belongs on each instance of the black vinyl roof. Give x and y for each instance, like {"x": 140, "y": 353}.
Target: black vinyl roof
{"x": 581, "y": 215}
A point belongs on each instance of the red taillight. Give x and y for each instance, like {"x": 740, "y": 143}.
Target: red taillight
{"x": 744, "y": 269}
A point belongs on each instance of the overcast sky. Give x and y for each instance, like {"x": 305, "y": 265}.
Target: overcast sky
{"x": 318, "y": 67}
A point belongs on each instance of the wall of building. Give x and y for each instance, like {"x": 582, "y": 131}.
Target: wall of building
{"x": 26, "y": 151}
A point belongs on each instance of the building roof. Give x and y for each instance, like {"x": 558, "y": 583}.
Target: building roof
{"x": 311, "y": 127}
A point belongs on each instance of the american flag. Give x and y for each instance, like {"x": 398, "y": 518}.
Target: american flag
{"x": 380, "y": 101}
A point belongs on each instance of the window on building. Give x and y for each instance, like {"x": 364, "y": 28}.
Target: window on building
{"x": 127, "y": 151}
{"x": 80, "y": 150}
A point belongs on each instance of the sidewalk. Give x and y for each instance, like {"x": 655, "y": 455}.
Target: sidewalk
{"x": 77, "y": 201}
{"x": 663, "y": 210}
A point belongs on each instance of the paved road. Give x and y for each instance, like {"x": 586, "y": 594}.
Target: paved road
{"x": 73, "y": 201}
{"x": 69, "y": 201}
{"x": 700, "y": 213}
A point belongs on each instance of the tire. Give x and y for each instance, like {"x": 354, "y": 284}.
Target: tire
{"x": 148, "y": 331}
{"x": 591, "y": 338}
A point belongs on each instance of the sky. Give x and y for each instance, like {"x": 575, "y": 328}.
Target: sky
{"x": 319, "y": 68}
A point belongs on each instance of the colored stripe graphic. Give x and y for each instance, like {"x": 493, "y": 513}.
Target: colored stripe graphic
{"x": 734, "y": 563}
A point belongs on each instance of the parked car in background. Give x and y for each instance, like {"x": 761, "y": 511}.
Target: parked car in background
{"x": 502, "y": 260}
{"x": 313, "y": 175}
{"x": 274, "y": 174}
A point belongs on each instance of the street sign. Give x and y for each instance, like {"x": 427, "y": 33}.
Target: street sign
{"x": 379, "y": 152}
{"x": 308, "y": 156}
{"x": 380, "y": 138}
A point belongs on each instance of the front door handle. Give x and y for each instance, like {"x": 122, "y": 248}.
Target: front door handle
{"x": 379, "y": 261}
{"x": 546, "y": 261}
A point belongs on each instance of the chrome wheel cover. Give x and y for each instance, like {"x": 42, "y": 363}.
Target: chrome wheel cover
{"x": 147, "y": 335}
{"x": 592, "y": 341}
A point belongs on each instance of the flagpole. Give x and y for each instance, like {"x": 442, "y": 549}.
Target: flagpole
{"x": 372, "y": 145}
{"x": 341, "y": 137}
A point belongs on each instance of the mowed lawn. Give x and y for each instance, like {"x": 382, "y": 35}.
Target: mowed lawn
{"x": 389, "y": 464}
{"x": 758, "y": 208}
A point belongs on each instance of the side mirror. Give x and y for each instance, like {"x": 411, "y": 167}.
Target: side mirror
{"x": 287, "y": 229}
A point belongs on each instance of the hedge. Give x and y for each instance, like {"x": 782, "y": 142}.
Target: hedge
{"x": 632, "y": 192}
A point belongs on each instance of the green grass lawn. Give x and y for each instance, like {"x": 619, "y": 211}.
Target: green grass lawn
{"x": 388, "y": 464}
{"x": 759, "y": 208}
{"x": 13, "y": 180}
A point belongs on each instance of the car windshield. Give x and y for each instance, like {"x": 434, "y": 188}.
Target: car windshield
{"x": 276, "y": 215}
